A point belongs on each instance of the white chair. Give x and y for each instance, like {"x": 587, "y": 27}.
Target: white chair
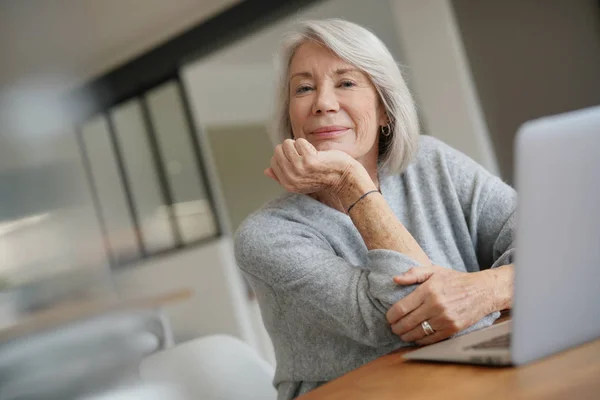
{"x": 85, "y": 356}
{"x": 217, "y": 367}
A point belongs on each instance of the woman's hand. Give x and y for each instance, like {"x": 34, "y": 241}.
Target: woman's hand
{"x": 448, "y": 300}
{"x": 298, "y": 167}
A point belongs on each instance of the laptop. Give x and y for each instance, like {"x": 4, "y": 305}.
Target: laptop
{"x": 556, "y": 303}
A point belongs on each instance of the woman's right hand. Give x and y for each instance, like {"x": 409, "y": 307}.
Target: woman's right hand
{"x": 298, "y": 167}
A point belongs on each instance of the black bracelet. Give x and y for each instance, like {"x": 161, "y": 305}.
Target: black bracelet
{"x": 360, "y": 198}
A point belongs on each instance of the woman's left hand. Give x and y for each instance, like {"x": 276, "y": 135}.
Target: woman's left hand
{"x": 448, "y": 300}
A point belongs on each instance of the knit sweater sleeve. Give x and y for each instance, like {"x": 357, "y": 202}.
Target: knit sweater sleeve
{"x": 487, "y": 202}
{"x": 296, "y": 261}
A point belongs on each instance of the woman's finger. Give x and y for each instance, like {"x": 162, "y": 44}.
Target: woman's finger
{"x": 412, "y": 320}
{"x": 269, "y": 172}
{"x": 304, "y": 148}
{"x": 404, "y": 306}
{"x": 414, "y": 275}
{"x": 276, "y": 169}
{"x": 281, "y": 158}
{"x": 289, "y": 149}
{"x": 414, "y": 334}
{"x": 418, "y": 333}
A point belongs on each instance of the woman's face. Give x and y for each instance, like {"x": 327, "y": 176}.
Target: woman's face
{"x": 333, "y": 105}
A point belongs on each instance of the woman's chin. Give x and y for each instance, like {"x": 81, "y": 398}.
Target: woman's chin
{"x": 325, "y": 145}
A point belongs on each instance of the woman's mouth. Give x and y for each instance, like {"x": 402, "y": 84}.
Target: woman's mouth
{"x": 329, "y": 131}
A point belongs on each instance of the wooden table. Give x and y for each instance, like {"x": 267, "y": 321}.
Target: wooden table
{"x": 72, "y": 311}
{"x": 573, "y": 374}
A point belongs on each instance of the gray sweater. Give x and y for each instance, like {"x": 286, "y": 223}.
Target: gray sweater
{"x": 323, "y": 296}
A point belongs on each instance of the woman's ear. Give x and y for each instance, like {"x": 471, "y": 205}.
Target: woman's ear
{"x": 384, "y": 120}
{"x": 382, "y": 116}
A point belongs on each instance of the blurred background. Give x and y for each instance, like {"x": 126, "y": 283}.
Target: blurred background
{"x": 133, "y": 132}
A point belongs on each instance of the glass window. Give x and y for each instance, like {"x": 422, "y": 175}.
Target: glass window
{"x": 141, "y": 171}
{"x": 109, "y": 187}
{"x": 191, "y": 204}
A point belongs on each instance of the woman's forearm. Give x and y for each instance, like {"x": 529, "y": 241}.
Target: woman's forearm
{"x": 375, "y": 220}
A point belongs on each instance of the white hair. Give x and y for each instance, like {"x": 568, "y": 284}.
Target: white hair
{"x": 361, "y": 48}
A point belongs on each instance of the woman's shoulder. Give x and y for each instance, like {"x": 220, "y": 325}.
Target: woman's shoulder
{"x": 435, "y": 155}
{"x": 432, "y": 150}
{"x": 287, "y": 207}
{"x": 429, "y": 163}
{"x": 439, "y": 170}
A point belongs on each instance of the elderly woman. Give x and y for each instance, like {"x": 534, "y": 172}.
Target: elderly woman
{"x": 386, "y": 238}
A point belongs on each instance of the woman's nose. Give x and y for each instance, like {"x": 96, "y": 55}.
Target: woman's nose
{"x": 325, "y": 102}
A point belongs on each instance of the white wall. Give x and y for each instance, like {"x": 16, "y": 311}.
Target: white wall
{"x": 230, "y": 94}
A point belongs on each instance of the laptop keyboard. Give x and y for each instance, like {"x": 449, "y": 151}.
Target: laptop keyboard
{"x": 498, "y": 342}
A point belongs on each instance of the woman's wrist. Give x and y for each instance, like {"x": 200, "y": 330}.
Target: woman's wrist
{"x": 352, "y": 184}
{"x": 499, "y": 282}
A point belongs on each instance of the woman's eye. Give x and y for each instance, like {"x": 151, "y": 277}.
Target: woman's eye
{"x": 347, "y": 84}
{"x": 303, "y": 89}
